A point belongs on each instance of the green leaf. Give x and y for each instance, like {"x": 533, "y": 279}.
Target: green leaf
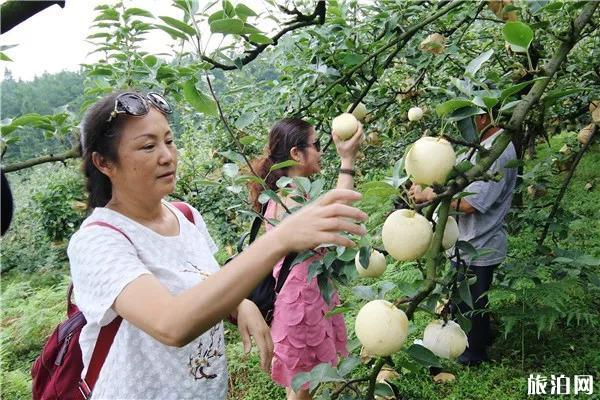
{"x": 228, "y": 8}
{"x": 284, "y": 181}
{"x": 227, "y": 26}
{"x": 490, "y": 101}
{"x": 5, "y": 47}
{"x": 347, "y": 254}
{"x": 108, "y": 14}
{"x": 510, "y": 105}
{"x": 466, "y": 247}
{"x": 563, "y": 260}
{"x": 518, "y": 33}
{"x": 249, "y": 29}
{"x": 509, "y": 91}
{"x": 4, "y": 57}
{"x": 384, "y": 390}
{"x": 247, "y": 140}
{"x": 216, "y": 16}
{"x": 29, "y": 119}
{"x": 233, "y": 156}
{"x": 259, "y": 38}
{"x": 201, "y": 102}
{"x": 231, "y": 170}
{"x": 588, "y": 260}
{"x": 551, "y": 97}
{"x": 464, "y": 112}
{"x": 464, "y": 292}
{"x": 364, "y": 256}
{"x": 137, "y": 11}
{"x": 464, "y": 322}
{"x": 451, "y": 105}
{"x": 245, "y": 119}
{"x": 467, "y": 130}
{"x": 300, "y": 380}
{"x": 384, "y": 287}
{"x": 465, "y": 86}
{"x": 181, "y": 26}
{"x": 314, "y": 269}
{"x": 175, "y": 34}
{"x": 423, "y": 356}
{"x": 463, "y": 166}
{"x": 244, "y": 11}
{"x": 476, "y": 64}
{"x": 326, "y": 287}
{"x": 323, "y": 373}
{"x": 593, "y": 278}
{"x": 283, "y": 164}
{"x": 150, "y": 60}
{"x": 364, "y": 292}
{"x": 347, "y": 365}
{"x": 341, "y": 309}
{"x": 352, "y": 59}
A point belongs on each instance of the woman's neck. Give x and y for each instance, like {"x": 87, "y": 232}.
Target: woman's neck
{"x": 143, "y": 210}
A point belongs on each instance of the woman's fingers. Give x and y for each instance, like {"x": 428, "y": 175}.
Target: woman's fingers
{"x": 339, "y": 195}
{"x": 358, "y": 137}
{"x": 343, "y": 211}
{"x": 340, "y": 225}
{"x": 265, "y": 346}
{"x": 336, "y": 239}
{"x": 245, "y": 334}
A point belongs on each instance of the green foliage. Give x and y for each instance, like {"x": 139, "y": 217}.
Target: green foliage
{"x": 53, "y": 97}
{"x": 61, "y": 203}
{"x": 31, "y": 309}
{"x": 315, "y": 72}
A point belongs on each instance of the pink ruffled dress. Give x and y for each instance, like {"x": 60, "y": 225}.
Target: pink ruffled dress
{"x": 302, "y": 335}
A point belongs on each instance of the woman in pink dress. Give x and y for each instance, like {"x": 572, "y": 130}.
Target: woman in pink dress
{"x": 303, "y": 336}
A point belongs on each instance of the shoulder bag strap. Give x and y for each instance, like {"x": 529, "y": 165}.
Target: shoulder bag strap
{"x": 105, "y": 337}
{"x": 185, "y": 209}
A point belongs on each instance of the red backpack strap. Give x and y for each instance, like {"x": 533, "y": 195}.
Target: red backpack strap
{"x": 185, "y": 209}
{"x": 106, "y": 336}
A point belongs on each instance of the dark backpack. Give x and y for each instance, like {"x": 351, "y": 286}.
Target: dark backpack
{"x": 266, "y": 292}
{"x": 56, "y": 372}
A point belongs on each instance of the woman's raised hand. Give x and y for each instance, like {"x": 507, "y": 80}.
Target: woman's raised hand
{"x": 347, "y": 149}
{"x": 322, "y": 221}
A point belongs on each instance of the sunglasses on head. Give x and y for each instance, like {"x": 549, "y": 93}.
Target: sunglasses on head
{"x": 135, "y": 104}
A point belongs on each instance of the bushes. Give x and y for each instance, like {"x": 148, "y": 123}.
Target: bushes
{"x": 61, "y": 204}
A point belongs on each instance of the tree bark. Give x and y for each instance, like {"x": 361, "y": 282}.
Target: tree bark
{"x": 73, "y": 153}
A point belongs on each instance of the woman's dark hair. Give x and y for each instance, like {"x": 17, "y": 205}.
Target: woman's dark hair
{"x": 101, "y": 136}
{"x": 284, "y": 135}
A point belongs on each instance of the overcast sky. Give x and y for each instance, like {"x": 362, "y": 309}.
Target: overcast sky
{"x": 54, "y": 39}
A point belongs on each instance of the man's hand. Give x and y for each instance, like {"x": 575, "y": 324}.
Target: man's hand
{"x": 251, "y": 323}
{"x": 418, "y": 195}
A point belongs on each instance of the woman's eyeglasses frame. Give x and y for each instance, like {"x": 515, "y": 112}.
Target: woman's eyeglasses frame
{"x": 137, "y": 105}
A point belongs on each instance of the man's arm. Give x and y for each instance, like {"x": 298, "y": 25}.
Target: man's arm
{"x": 422, "y": 196}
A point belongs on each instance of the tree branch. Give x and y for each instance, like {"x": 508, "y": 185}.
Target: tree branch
{"x": 373, "y": 378}
{"x": 564, "y": 186}
{"x": 74, "y": 152}
{"x": 410, "y": 32}
{"x": 301, "y": 21}
{"x": 513, "y": 128}
{"x": 12, "y": 13}
{"x": 433, "y": 257}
